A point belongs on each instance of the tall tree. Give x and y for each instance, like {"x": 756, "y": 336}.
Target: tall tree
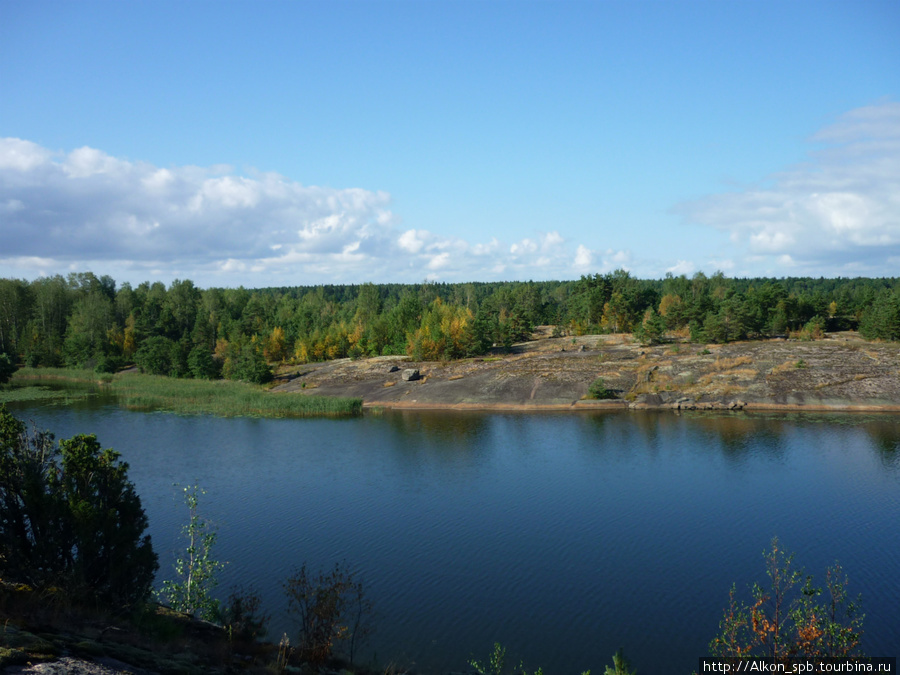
{"x": 89, "y": 326}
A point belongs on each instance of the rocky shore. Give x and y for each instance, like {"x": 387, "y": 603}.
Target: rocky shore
{"x": 837, "y": 373}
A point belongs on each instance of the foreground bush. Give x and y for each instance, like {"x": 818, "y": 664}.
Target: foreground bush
{"x": 597, "y": 390}
{"x": 788, "y": 619}
{"x": 496, "y": 664}
{"x": 196, "y": 570}
{"x": 331, "y": 607}
{"x": 70, "y": 519}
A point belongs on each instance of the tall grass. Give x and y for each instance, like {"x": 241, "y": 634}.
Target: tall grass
{"x": 22, "y": 394}
{"x": 67, "y": 374}
{"x": 225, "y": 398}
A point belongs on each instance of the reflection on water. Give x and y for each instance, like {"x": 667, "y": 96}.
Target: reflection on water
{"x": 887, "y": 442}
{"x": 563, "y": 536}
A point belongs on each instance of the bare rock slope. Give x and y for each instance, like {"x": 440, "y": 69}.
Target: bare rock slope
{"x": 839, "y": 372}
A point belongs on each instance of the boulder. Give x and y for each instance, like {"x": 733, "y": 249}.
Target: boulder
{"x": 410, "y": 374}
{"x": 394, "y": 369}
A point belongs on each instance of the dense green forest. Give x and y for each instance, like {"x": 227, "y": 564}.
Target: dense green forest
{"x": 184, "y": 331}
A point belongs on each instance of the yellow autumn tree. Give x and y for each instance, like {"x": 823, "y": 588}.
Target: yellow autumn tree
{"x": 301, "y": 351}
{"x": 275, "y": 347}
{"x": 615, "y": 317}
{"x": 444, "y": 333}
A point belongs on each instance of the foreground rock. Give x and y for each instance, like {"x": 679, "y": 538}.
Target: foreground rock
{"x": 841, "y": 372}
{"x": 68, "y": 665}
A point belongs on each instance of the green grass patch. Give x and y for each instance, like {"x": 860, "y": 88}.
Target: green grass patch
{"x": 66, "y": 374}
{"x": 38, "y": 393}
{"x": 225, "y": 398}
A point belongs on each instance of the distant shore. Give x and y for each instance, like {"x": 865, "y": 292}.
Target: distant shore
{"x": 840, "y": 373}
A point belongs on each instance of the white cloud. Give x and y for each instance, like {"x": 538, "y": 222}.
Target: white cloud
{"x": 583, "y": 256}
{"x": 724, "y": 265}
{"x": 551, "y": 240}
{"x": 682, "y": 267}
{"x": 21, "y": 156}
{"x": 85, "y": 162}
{"x": 490, "y": 248}
{"x": 523, "y": 247}
{"x": 158, "y": 180}
{"x": 617, "y": 259}
{"x": 232, "y": 265}
{"x": 411, "y": 241}
{"x": 838, "y": 211}
{"x": 88, "y": 210}
{"x": 439, "y": 261}
{"x": 88, "y": 206}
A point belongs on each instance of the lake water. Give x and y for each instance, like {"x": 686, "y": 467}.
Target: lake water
{"x": 562, "y": 536}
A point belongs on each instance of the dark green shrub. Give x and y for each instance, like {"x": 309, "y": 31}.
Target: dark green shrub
{"x": 109, "y": 364}
{"x": 598, "y": 390}
{"x": 202, "y": 364}
{"x": 7, "y": 368}
{"x": 155, "y": 355}
{"x": 250, "y": 366}
{"x": 70, "y": 518}
{"x": 243, "y": 616}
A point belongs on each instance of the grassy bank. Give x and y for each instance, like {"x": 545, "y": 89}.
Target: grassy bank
{"x": 225, "y": 398}
{"x": 63, "y": 374}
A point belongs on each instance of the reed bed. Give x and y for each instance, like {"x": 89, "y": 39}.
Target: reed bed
{"x": 24, "y": 394}
{"x": 67, "y": 374}
{"x": 225, "y": 398}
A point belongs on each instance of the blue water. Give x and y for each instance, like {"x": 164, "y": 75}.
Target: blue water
{"x": 562, "y": 536}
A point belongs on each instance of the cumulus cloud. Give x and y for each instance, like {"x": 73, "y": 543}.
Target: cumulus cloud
{"x": 411, "y": 241}
{"x": 85, "y": 209}
{"x": 837, "y": 212}
{"x": 87, "y": 205}
{"x": 583, "y": 257}
{"x": 685, "y": 267}
{"x": 523, "y": 247}
{"x": 21, "y": 156}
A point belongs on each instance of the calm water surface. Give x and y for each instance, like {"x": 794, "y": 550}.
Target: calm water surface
{"x": 562, "y": 536}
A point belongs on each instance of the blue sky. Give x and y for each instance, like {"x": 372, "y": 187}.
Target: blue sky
{"x": 282, "y": 143}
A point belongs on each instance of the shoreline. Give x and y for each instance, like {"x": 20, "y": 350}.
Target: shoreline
{"x": 620, "y": 406}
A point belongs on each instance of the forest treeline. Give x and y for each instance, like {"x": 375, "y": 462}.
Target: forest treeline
{"x": 185, "y": 331}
